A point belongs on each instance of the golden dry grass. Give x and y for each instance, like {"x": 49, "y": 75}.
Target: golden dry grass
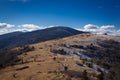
{"x": 43, "y": 67}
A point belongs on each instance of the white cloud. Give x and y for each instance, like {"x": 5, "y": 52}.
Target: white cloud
{"x": 52, "y": 26}
{"x": 29, "y": 27}
{"x": 118, "y": 30}
{"x": 7, "y": 28}
{"x": 6, "y": 25}
{"x": 116, "y": 33}
{"x": 90, "y": 26}
{"x": 108, "y": 29}
{"x": 2, "y": 31}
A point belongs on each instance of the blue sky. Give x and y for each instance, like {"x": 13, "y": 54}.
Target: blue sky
{"x": 72, "y": 13}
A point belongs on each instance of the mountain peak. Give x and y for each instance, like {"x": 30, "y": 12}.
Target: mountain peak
{"x": 36, "y": 36}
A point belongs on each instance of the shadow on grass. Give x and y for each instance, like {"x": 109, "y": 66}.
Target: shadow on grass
{"x": 73, "y": 73}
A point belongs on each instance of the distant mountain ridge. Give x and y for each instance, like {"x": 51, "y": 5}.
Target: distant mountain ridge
{"x": 10, "y": 34}
{"x": 20, "y": 38}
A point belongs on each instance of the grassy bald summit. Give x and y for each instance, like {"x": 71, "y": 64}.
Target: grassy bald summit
{"x": 77, "y": 57}
{"x": 17, "y": 39}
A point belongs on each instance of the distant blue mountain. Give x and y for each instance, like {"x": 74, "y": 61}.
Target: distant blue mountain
{"x": 8, "y": 35}
{"x": 24, "y": 38}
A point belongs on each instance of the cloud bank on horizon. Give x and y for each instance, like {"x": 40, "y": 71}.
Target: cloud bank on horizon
{"x": 8, "y": 28}
{"x": 95, "y": 29}
{"x": 105, "y": 29}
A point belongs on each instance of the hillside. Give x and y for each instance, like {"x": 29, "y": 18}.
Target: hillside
{"x": 8, "y": 35}
{"x": 70, "y": 58}
{"x": 18, "y": 38}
